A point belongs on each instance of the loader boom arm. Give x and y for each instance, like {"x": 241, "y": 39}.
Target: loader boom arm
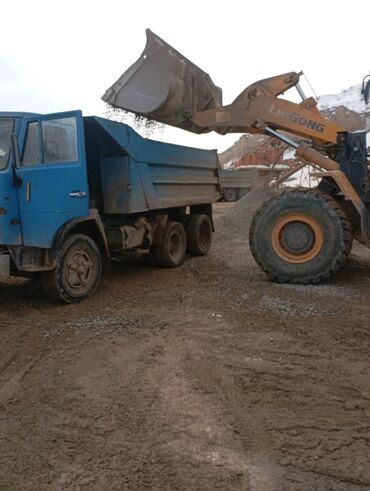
{"x": 165, "y": 86}
{"x": 258, "y": 107}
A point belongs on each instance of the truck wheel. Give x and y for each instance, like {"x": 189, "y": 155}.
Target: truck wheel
{"x": 229, "y": 195}
{"x": 199, "y": 234}
{"x": 300, "y": 236}
{"x": 171, "y": 252}
{"x": 78, "y": 272}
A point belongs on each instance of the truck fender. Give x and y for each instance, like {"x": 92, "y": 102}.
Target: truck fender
{"x": 92, "y": 226}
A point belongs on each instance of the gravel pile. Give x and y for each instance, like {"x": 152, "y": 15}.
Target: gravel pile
{"x": 241, "y": 214}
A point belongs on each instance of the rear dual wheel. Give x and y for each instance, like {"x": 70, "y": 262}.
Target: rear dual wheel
{"x": 193, "y": 234}
{"x": 170, "y": 253}
{"x": 199, "y": 234}
{"x": 301, "y": 236}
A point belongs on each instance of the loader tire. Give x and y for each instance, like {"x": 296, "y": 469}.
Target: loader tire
{"x": 170, "y": 253}
{"x": 78, "y": 273}
{"x": 300, "y": 236}
{"x": 199, "y": 234}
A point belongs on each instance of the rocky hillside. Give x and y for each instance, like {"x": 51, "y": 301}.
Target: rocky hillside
{"x": 252, "y": 150}
{"x": 347, "y": 108}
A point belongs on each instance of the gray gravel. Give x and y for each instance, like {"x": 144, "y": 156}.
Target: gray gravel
{"x": 97, "y": 325}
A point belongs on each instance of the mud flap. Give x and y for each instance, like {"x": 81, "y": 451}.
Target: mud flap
{"x": 4, "y": 265}
{"x": 165, "y": 86}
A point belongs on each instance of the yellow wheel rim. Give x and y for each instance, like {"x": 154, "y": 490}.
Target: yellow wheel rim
{"x": 297, "y": 238}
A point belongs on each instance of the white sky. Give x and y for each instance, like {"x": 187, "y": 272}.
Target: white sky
{"x": 63, "y": 55}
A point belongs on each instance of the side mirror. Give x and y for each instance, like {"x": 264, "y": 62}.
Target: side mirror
{"x": 16, "y": 161}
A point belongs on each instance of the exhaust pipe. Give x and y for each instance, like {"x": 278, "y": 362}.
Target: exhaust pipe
{"x": 165, "y": 86}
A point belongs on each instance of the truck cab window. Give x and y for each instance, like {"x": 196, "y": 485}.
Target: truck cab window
{"x": 59, "y": 139}
{"x": 31, "y": 154}
{"x": 6, "y": 128}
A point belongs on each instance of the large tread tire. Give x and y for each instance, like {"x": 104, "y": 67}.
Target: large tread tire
{"x": 199, "y": 234}
{"x": 78, "y": 273}
{"x": 330, "y": 223}
{"x": 170, "y": 253}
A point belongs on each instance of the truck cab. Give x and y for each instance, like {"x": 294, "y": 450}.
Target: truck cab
{"x": 75, "y": 191}
{"x": 44, "y": 185}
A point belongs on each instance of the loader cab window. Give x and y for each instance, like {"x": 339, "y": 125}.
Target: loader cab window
{"x": 6, "y": 128}
{"x": 51, "y": 141}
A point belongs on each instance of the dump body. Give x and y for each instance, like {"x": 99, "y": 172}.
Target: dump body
{"x": 139, "y": 175}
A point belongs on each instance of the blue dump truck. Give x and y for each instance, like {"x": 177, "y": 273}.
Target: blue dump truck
{"x": 76, "y": 192}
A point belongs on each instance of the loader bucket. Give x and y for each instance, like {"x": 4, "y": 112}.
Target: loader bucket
{"x": 163, "y": 85}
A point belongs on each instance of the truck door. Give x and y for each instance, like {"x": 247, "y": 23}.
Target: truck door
{"x": 10, "y": 232}
{"x": 54, "y": 187}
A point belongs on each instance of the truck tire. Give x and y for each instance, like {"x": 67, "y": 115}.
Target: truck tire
{"x": 78, "y": 273}
{"x": 230, "y": 195}
{"x": 170, "y": 253}
{"x": 300, "y": 236}
{"x": 199, "y": 234}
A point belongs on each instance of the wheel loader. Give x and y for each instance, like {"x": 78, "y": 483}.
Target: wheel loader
{"x": 300, "y": 235}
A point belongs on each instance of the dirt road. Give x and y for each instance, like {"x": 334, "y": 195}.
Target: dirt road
{"x": 201, "y": 378}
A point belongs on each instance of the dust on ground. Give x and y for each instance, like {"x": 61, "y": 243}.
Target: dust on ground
{"x": 203, "y": 377}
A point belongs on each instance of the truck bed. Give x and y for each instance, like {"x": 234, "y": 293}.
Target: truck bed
{"x": 132, "y": 174}
{"x": 238, "y": 179}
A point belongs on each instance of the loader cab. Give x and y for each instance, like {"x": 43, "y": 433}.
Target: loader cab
{"x": 46, "y": 186}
